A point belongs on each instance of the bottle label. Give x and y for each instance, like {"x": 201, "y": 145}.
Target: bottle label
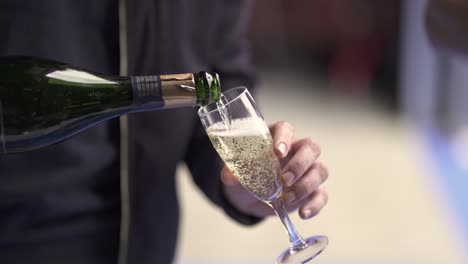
{"x": 147, "y": 89}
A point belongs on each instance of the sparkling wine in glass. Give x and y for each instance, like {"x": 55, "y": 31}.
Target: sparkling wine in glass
{"x": 241, "y": 137}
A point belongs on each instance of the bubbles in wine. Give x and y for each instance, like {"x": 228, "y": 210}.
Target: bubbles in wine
{"x": 246, "y": 148}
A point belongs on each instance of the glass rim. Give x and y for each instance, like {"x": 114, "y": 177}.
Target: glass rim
{"x": 228, "y": 103}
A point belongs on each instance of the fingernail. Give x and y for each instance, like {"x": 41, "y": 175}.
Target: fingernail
{"x": 288, "y": 178}
{"x": 307, "y": 213}
{"x": 282, "y": 149}
{"x": 289, "y": 197}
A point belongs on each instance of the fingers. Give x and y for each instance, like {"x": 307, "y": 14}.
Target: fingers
{"x": 302, "y": 176}
{"x": 305, "y": 152}
{"x": 314, "y": 204}
{"x": 306, "y": 185}
{"x": 283, "y": 135}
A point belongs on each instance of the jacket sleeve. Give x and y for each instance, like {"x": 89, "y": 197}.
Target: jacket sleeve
{"x": 447, "y": 25}
{"x": 231, "y": 60}
{"x": 231, "y": 57}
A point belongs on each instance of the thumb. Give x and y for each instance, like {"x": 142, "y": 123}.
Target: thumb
{"x": 228, "y": 178}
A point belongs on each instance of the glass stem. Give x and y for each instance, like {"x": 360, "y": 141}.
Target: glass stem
{"x": 297, "y": 243}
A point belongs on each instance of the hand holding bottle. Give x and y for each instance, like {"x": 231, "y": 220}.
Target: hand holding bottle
{"x": 302, "y": 176}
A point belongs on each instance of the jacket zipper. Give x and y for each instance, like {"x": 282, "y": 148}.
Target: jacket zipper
{"x": 124, "y": 186}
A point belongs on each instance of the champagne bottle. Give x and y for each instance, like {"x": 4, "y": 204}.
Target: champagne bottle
{"x": 43, "y": 102}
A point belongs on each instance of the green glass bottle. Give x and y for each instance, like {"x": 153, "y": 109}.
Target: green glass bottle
{"x": 43, "y": 102}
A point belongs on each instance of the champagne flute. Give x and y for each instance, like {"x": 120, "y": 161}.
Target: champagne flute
{"x": 241, "y": 137}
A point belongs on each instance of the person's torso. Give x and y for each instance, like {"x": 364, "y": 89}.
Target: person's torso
{"x": 64, "y": 200}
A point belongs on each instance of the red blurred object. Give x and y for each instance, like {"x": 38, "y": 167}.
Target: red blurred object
{"x": 353, "y": 34}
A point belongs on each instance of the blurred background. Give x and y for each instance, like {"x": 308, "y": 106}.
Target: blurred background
{"x": 361, "y": 78}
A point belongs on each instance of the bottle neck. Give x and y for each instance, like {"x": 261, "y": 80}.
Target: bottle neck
{"x": 178, "y": 90}
{"x": 207, "y": 88}
{"x": 164, "y": 91}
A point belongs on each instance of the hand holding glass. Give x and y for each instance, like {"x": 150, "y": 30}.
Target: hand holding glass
{"x": 242, "y": 138}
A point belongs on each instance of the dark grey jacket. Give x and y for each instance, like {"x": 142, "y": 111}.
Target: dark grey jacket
{"x": 62, "y": 204}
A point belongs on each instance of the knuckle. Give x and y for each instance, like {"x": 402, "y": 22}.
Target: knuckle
{"x": 309, "y": 142}
{"x": 309, "y": 147}
{"x": 325, "y": 198}
{"x": 310, "y": 185}
{"x": 286, "y": 125}
{"x": 324, "y": 172}
{"x": 299, "y": 168}
{"x": 274, "y": 126}
{"x": 314, "y": 147}
{"x": 306, "y": 187}
{"x": 281, "y": 123}
{"x": 323, "y": 194}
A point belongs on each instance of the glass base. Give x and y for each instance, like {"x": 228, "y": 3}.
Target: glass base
{"x": 314, "y": 246}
